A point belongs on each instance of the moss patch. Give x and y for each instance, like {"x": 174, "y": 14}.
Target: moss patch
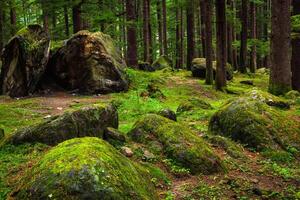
{"x": 179, "y": 143}
{"x": 85, "y": 168}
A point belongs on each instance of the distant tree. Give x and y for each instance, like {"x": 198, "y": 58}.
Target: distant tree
{"x": 280, "y": 77}
{"x": 296, "y": 51}
{"x": 244, "y": 37}
{"x": 190, "y": 33}
{"x": 207, "y": 4}
{"x": 253, "y": 57}
{"x": 221, "y": 44}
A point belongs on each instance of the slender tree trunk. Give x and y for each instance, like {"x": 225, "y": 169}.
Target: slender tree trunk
{"x": 208, "y": 41}
{"x": 13, "y": 19}
{"x": 178, "y": 53}
{"x": 253, "y": 59}
{"x": 296, "y": 51}
{"x": 202, "y": 10}
{"x": 221, "y": 44}
{"x": 45, "y": 17}
{"x": 77, "y": 24}
{"x": 234, "y": 49}
{"x": 244, "y": 37}
{"x": 190, "y": 33}
{"x": 229, "y": 37}
{"x": 131, "y": 34}
{"x": 280, "y": 77}
{"x": 164, "y": 26}
{"x": 66, "y": 18}
{"x": 159, "y": 26}
{"x": 1, "y": 28}
{"x": 146, "y": 31}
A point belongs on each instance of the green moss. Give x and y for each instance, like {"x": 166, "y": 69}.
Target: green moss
{"x": 179, "y": 143}
{"x": 162, "y": 63}
{"x": 295, "y": 22}
{"x": 193, "y": 104}
{"x": 253, "y": 122}
{"x": 86, "y": 168}
{"x": 293, "y": 94}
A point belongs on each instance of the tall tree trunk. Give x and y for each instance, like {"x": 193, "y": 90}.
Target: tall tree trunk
{"x": 66, "y": 18}
{"x": 202, "y": 13}
{"x": 234, "y": 49}
{"x": 221, "y": 44}
{"x": 244, "y": 37}
{"x": 45, "y": 16}
{"x": 178, "y": 62}
{"x": 146, "y": 31}
{"x": 1, "y": 28}
{"x": 296, "y": 51}
{"x": 229, "y": 37}
{"x": 253, "y": 59}
{"x": 159, "y": 26}
{"x": 280, "y": 76}
{"x": 190, "y": 33}
{"x": 132, "y": 58}
{"x": 208, "y": 41}
{"x": 77, "y": 24}
{"x": 164, "y": 27}
{"x": 13, "y": 18}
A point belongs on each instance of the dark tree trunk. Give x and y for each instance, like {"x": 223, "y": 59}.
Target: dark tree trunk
{"x": 77, "y": 24}
{"x": 45, "y": 17}
{"x": 131, "y": 34}
{"x": 208, "y": 41}
{"x": 296, "y": 51}
{"x": 66, "y": 18}
{"x": 164, "y": 27}
{"x": 202, "y": 13}
{"x": 234, "y": 49}
{"x": 229, "y": 37}
{"x": 253, "y": 58}
{"x": 244, "y": 37}
{"x": 190, "y": 33}
{"x": 280, "y": 77}
{"x": 13, "y": 20}
{"x": 179, "y": 37}
{"x": 221, "y": 44}
{"x": 159, "y": 26}
{"x": 1, "y": 29}
{"x": 147, "y": 31}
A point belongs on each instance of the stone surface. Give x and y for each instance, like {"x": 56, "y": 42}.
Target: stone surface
{"x": 24, "y": 61}
{"x": 162, "y": 62}
{"x": 85, "y": 168}
{"x": 89, "y": 63}
{"x": 199, "y": 69}
{"x": 170, "y": 114}
{"x": 89, "y": 121}
{"x": 126, "y": 151}
{"x": 178, "y": 143}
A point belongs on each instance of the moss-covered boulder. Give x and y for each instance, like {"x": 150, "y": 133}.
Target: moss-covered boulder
{"x": 145, "y": 66}
{"x": 90, "y": 63}
{"x": 162, "y": 62}
{"x": 199, "y": 69}
{"x": 179, "y": 143}
{"x": 168, "y": 113}
{"x": 89, "y": 121}
{"x": 24, "y": 61}
{"x": 253, "y": 122}
{"x": 193, "y": 104}
{"x": 85, "y": 168}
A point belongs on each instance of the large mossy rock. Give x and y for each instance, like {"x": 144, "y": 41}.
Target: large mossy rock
{"x": 89, "y": 121}
{"x": 179, "y": 143}
{"x": 90, "y": 63}
{"x": 257, "y": 122}
{"x": 193, "y": 104}
{"x": 85, "y": 168}
{"x": 163, "y": 62}
{"x": 24, "y": 61}
{"x": 199, "y": 69}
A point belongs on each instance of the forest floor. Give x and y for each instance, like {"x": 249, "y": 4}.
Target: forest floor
{"x": 249, "y": 176}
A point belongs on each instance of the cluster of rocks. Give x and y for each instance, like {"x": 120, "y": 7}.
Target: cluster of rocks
{"x": 86, "y": 63}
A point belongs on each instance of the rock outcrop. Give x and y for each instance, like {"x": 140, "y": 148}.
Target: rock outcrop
{"x": 89, "y": 63}
{"x": 179, "y": 143}
{"x": 199, "y": 69}
{"x": 24, "y": 61}
{"x": 89, "y": 121}
{"x": 85, "y": 168}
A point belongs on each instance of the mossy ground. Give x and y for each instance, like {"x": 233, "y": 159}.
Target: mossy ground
{"x": 273, "y": 176}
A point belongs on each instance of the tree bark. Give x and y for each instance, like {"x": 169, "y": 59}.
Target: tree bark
{"x": 164, "y": 27}
{"x": 77, "y": 23}
{"x": 280, "y": 76}
{"x": 13, "y": 19}
{"x": 296, "y": 51}
{"x": 203, "y": 39}
{"x": 132, "y": 59}
{"x": 1, "y": 28}
{"x": 190, "y": 33}
{"x": 207, "y": 4}
{"x": 221, "y": 44}
{"x": 159, "y": 26}
{"x": 229, "y": 37}
{"x": 253, "y": 59}
{"x": 244, "y": 37}
{"x": 146, "y": 31}
{"x": 66, "y": 18}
